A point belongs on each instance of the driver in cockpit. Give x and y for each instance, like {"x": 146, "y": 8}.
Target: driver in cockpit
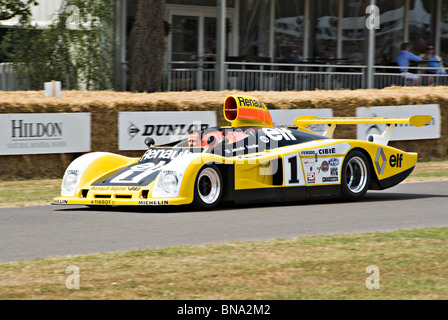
{"x": 194, "y": 138}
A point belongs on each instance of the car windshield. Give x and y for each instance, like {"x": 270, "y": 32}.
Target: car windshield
{"x": 252, "y": 140}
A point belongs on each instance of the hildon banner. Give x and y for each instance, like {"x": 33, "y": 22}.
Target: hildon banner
{"x": 43, "y": 133}
{"x": 163, "y": 126}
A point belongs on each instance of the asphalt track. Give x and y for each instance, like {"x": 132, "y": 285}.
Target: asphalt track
{"x": 43, "y": 231}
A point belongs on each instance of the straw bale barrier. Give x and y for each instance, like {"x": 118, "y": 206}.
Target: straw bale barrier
{"x": 104, "y": 107}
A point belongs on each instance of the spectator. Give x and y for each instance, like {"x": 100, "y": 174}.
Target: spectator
{"x": 434, "y": 61}
{"x": 403, "y": 59}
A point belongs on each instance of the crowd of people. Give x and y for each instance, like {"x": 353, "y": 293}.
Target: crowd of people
{"x": 432, "y": 61}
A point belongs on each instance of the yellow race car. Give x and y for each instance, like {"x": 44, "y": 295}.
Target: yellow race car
{"x": 248, "y": 161}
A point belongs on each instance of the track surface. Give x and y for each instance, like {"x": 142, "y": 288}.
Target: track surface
{"x": 35, "y": 232}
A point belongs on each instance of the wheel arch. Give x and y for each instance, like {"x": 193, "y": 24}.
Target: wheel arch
{"x": 373, "y": 183}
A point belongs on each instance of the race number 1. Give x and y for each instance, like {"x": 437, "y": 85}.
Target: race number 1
{"x": 293, "y": 174}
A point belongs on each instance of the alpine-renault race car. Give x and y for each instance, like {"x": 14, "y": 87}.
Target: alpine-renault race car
{"x": 248, "y": 161}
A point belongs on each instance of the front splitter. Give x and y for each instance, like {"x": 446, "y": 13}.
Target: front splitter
{"x": 120, "y": 202}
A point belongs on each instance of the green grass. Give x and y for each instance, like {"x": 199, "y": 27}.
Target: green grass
{"x": 28, "y": 192}
{"x": 431, "y": 175}
{"x": 412, "y": 264}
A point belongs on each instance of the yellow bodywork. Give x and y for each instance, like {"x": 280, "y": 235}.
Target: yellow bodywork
{"x": 261, "y": 170}
{"x": 249, "y": 173}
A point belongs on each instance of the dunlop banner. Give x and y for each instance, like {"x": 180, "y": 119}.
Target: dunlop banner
{"x": 163, "y": 126}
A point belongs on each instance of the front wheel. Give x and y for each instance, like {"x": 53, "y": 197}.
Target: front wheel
{"x": 355, "y": 176}
{"x": 208, "y": 187}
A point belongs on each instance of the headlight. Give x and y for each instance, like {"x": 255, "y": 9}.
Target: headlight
{"x": 169, "y": 182}
{"x": 70, "y": 181}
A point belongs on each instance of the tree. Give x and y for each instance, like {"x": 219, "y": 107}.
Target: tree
{"x": 16, "y": 8}
{"x": 147, "y": 47}
{"x": 77, "y": 47}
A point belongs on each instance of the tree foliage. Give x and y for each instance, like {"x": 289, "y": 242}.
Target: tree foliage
{"x": 16, "y": 8}
{"x": 77, "y": 47}
{"x": 147, "y": 47}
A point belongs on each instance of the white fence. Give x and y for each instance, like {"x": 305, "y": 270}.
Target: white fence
{"x": 249, "y": 76}
{"x": 8, "y": 77}
{"x": 386, "y": 76}
{"x": 282, "y": 76}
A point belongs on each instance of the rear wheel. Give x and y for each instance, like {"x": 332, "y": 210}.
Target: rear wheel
{"x": 208, "y": 187}
{"x": 355, "y": 176}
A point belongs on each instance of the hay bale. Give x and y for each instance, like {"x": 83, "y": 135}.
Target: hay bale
{"x": 105, "y": 106}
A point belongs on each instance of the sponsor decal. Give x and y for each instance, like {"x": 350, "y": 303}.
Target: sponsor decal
{"x": 278, "y": 134}
{"x": 237, "y": 149}
{"x": 163, "y": 154}
{"x": 324, "y": 166}
{"x": 108, "y": 202}
{"x": 252, "y": 146}
{"x": 114, "y": 188}
{"x": 329, "y": 179}
{"x": 333, "y": 162}
{"x": 153, "y": 202}
{"x": 247, "y": 102}
{"x": 117, "y": 188}
{"x": 311, "y": 177}
{"x": 309, "y": 162}
{"x": 380, "y": 157}
{"x": 327, "y": 151}
{"x": 57, "y": 201}
{"x": 395, "y": 160}
{"x": 264, "y": 139}
{"x": 99, "y": 188}
{"x": 307, "y": 153}
{"x": 334, "y": 172}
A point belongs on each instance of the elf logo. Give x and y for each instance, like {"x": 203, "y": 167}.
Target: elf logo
{"x": 395, "y": 160}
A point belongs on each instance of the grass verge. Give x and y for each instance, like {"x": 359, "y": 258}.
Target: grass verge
{"x": 411, "y": 264}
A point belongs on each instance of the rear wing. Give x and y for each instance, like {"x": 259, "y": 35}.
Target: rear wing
{"x": 416, "y": 121}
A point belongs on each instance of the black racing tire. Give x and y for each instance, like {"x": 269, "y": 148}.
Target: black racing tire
{"x": 355, "y": 176}
{"x": 208, "y": 187}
